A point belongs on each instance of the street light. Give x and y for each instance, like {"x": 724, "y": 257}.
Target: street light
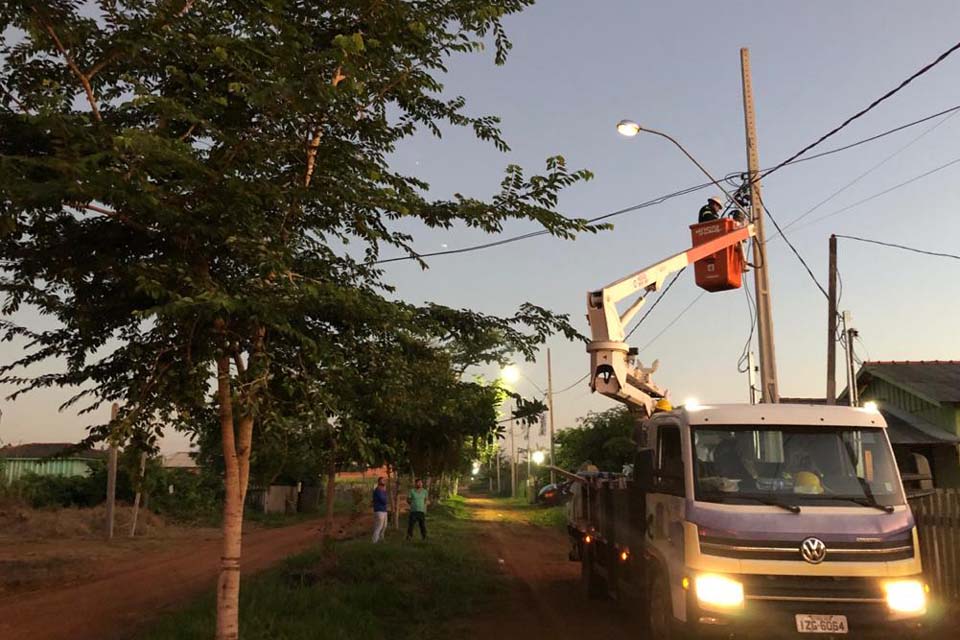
{"x": 630, "y": 129}
{"x": 538, "y": 457}
{"x": 510, "y": 374}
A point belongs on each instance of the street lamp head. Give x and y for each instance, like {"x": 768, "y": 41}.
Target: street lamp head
{"x": 510, "y": 374}
{"x": 538, "y": 457}
{"x": 628, "y": 128}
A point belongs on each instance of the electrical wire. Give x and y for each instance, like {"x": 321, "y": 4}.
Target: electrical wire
{"x": 900, "y": 246}
{"x": 881, "y": 193}
{"x": 655, "y": 303}
{"x": 796, "y": 253}
{"x": 572, "y": 386}
{"x": 743, "y": 362}
{"x": 866, "y": 173}
{"x": 668, "y": 196}
{"x": 672, "y": 322}
{"x": 943, "y": 56}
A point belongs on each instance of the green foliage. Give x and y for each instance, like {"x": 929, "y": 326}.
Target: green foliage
{"x": 359, "y": 590}
{"x": 197, "y": 498}
{"x": 40, "y": 491}
{"x": 605, "y": 439}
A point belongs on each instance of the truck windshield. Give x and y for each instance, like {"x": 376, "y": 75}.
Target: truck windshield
{"x": 836, "y": 466}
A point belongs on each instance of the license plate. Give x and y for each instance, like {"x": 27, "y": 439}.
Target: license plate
{"x": 812, "y": 623}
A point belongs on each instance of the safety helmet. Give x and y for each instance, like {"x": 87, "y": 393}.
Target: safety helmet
{"x": 807, "y": 482}
{"x": 663, "y": 405}
{"x": 715, "y": 200}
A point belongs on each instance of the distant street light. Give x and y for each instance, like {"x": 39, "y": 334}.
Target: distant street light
{"x": 538, "y": 457}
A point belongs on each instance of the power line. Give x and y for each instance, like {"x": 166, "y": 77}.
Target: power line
{"x": 795, "y": 252}
{"x": 881, "y": 193}
{"x": 655, "y": 303}
{"x": 665, "y": 197}
{"x": 672, "y": 322}
{"x": 568, "y": 388}
{"x": 866, "y": 173}
{"x": 900, "y": 246}
{"x": 864, "y": 111}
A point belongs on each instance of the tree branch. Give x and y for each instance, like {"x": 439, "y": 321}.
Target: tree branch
{"x": 84, "y": 79}
{"x": 314, "y": 144}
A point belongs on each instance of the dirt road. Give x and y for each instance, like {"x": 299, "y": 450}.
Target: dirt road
{"x": 111, "y": 603}
{"x": 546, "y": 601}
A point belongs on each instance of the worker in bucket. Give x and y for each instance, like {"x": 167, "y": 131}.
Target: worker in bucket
{"x": 711, "y": 211}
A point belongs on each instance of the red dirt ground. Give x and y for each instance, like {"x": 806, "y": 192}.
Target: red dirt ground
{"x": 113, "y": 601}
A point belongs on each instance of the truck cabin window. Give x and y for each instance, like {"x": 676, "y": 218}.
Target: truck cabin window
{"x": 836, "y": 466}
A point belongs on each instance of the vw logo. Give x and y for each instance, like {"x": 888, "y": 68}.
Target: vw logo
{"x": 813, "y": 550}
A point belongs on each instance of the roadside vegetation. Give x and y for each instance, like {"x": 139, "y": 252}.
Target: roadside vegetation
{"x": 354, "y": 589}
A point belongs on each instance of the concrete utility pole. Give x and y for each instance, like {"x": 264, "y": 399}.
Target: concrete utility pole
{"x": 136, "y": 499}
{"x": 849, "y": 333}
{"x": 112, "y": 471}
{"x": 499, "y": 461}
{"x": 513, "y": 461}
{"x": 832, "y": 325}
{"x": 769, "y": 391}
{"x": 752, "y": 376}
{"x": 553, "y": 474}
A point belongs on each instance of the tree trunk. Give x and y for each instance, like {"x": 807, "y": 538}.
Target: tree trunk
{"x": 396, "y": 498}
{"x": 236, "y": 457}
{"x": 330, "y": 498}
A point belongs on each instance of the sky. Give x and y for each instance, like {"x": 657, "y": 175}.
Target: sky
{"x": 579, "y": 67}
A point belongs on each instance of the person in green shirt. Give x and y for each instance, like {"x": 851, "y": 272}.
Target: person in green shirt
{"x": 418, "y": 510}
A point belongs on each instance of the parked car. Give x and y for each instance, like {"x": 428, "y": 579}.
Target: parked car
{"x": 553, "y": 494}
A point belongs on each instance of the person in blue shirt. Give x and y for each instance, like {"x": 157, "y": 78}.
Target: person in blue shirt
{"x": 379, "y": 510}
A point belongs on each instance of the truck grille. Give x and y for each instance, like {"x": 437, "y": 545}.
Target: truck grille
{"x": 812, "y": 589}
{"x": 900, "y": 548}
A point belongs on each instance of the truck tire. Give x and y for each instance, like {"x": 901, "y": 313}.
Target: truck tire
{"x": 594, "y": 586}
{"x": 660, "y": 624}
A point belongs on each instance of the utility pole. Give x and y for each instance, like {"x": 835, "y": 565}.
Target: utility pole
{"x": 528, "y": 485}
{"x": 849, "y": 333}
{"x": 112, "y": 470}
{"x": 499, "y": 461}
{"x": 752, "y": 376}
{"x": 553, "y": 474}
{"x": 513, "y": 461}
{"x": 136, "y": 499}
{"x": 769, "y": 391}
{"x": 832, "y": 325}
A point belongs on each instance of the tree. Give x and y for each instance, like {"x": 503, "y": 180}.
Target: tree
{"x": 197, "y": 191}
{"x": 604, "y": 438}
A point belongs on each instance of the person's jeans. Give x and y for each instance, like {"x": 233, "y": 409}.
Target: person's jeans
{"x": 420, "y": 518}
{"x": 379, "y": 525}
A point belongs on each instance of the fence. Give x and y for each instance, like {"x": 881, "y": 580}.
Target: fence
{"x": 938, "y": 527}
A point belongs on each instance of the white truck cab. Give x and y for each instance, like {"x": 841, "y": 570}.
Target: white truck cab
{"x": 770, "y": 520}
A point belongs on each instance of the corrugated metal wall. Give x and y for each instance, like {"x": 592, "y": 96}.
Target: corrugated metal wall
{"x": 13, "y": 468}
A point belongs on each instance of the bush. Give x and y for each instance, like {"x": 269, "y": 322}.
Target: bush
{"x": 56, "y": 491}
{"x": 197, "y": 498}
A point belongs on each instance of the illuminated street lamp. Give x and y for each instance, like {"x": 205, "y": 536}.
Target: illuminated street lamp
{"x": 539, "y": 457}
{"x": 630, "y": 129}
{"x": 510, "y": 374}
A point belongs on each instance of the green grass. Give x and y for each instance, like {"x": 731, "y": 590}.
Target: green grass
{"x": 359, "y": 590}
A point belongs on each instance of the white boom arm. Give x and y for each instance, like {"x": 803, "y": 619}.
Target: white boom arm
{"x": 613, "y": 369}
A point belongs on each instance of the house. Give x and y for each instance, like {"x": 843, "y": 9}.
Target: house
{"x": 47, "y": 459}
{"x": 921, "y": 403}
{"x": 185, "y": 460}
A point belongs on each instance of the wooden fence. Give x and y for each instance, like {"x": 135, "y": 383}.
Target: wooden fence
{"x": 938, "y": 527}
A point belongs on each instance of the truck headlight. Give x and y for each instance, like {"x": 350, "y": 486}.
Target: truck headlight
{"x": 906, "y": 596}
{"x": 718, "y": 591}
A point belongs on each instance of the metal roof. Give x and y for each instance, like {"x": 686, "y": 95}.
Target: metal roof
{"x": 782, "y": 414}
{"x": 49, "y": 450}
{"x": 934, "y": 380}
{"x": 906, "y": 428}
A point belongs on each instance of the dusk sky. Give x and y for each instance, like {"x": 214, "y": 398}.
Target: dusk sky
{"x": 578, "y": 67}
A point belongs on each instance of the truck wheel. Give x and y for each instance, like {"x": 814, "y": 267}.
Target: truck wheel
{"x": 593, "y": 585}
{"x": 660, "y": 610}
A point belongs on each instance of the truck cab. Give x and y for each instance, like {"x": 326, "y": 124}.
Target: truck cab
{"x": 756, "y": 520}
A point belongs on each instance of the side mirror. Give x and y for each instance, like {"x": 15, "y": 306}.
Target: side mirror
{"x": 643, "y": 470}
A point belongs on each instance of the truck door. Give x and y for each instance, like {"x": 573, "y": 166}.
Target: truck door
{"x": 666, "y": 508}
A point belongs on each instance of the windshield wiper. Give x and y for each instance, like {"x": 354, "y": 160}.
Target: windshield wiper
{"x": 792, "y": 508}
{"x": 869, "y": 500}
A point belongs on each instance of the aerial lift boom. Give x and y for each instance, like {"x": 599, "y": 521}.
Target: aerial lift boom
{"x": 614, "y": 369}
